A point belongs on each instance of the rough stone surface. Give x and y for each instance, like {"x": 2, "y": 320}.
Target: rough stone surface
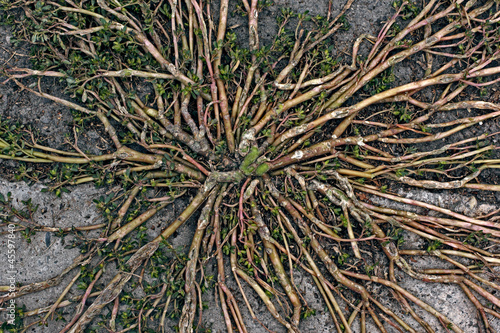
{"x": 46, "y": 256}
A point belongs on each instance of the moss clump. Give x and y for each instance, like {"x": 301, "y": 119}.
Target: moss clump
{"x": 262, "y": 169}
{"x": 249, "y": 159}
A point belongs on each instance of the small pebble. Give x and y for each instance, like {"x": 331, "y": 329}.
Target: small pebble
{"x": 47, "y": 239}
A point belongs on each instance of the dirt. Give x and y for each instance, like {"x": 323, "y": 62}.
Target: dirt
{"x": 42, "y": 259}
